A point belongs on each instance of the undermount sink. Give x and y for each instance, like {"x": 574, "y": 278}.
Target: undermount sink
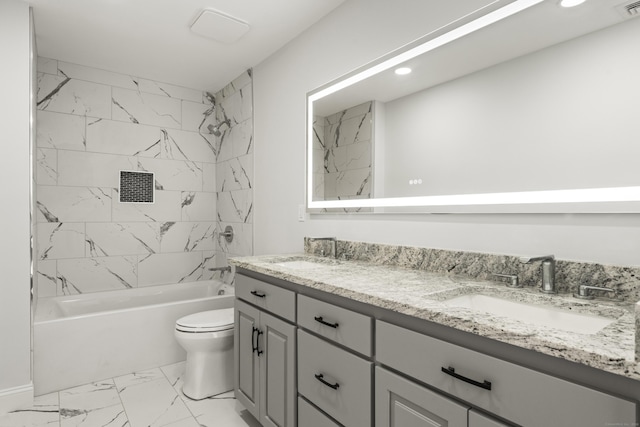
{"x": 536, "y": 315}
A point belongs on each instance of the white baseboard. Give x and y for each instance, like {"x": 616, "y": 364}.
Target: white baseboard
{"x": 16, "y": 398}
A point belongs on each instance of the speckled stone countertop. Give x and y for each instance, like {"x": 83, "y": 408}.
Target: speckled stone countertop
{"x": 421, "y": 294}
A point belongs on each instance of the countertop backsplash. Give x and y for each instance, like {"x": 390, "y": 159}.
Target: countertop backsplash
{"x": 569, "y": 274}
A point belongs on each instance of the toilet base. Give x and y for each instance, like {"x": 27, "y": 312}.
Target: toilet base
{"x": 208, "y": 374}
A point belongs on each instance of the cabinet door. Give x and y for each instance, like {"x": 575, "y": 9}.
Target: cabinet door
{"x": 476, "y": 419}
{"x": 277, "y": 344}
{"x": 402, "y": 403}
{"x": 246, "y": 362}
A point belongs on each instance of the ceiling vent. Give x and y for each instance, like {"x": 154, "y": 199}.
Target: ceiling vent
{"x": 219, "y": 26}
{"x": 629, "y": 10}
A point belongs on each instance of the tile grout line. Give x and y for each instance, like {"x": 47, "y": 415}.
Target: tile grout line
{"x": 124, "y": 409}
{"x": 179, "y": 392}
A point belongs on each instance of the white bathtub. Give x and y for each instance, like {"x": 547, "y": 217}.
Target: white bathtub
{"x": 79, "y": 339}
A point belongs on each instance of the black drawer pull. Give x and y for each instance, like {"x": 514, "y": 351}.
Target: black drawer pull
{"x": 319, "y": 319}
{"x": 320, "y": 378}
{"x": 450, "y": 371}
{"x": 255, "y": 293}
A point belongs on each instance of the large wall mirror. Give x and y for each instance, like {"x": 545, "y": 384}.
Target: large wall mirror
{"x": 509, "y": 106}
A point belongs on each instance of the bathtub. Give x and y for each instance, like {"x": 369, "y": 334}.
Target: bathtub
{"x": 79, "y": 339}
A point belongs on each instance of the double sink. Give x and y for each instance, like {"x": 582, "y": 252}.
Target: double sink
{"x": 557, "y": 312}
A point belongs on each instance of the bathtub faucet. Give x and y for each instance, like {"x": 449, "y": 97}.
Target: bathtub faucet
{"x": 222, "y": 270}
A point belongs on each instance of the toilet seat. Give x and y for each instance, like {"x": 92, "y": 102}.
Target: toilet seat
{"x": 206, "y": 321}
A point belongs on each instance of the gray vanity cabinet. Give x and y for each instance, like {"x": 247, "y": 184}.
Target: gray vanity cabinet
{"x": 265, "y": 363}
{"x": 333, "y": 365}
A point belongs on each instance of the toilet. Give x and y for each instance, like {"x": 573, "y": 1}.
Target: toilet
{"x": 207, "y": 337}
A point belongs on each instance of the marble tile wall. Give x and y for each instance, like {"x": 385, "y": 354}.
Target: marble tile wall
{"x": 234, "y": 167}
{"x": 93, "y": 123}
{"x": 342, "y": 155}
{"x": 569, "y": 274}
{"x": 348, "y": 153}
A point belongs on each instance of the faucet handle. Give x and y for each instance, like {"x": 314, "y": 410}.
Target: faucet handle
{"x": 515, "y": 283}
{"x": 583, "y": 291}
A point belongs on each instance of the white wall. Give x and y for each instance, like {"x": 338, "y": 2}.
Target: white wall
{"x": 15, "y": 315}
{"x": 358, "y": 32}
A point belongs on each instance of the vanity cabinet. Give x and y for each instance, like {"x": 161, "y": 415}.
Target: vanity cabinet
{"x": 513, "y": 392}
{"x": 264, "y": 352}
{"x": 306, "y": 361}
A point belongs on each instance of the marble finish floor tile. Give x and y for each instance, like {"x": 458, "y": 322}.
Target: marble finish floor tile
{"x": 88, "y": 398}
{"x": 45, "y": 412}
{"x": 147, "y": 398}
{"x": 153, "y": 403}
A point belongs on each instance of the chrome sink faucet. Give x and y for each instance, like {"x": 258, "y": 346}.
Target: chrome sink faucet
{"x": 334, "y": 245}
{"x": 548, "y": 272}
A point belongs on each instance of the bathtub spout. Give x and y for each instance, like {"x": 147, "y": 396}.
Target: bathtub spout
{"x": 222, "y": 270}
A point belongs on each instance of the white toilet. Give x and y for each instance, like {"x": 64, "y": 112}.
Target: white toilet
{"x": 207, "y": 338}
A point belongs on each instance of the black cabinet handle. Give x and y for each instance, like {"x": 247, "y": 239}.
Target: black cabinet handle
{"x": 319, "y": 319}
{"x": 450, "y": 371}
{"x": 255, "y": 293}
{"x": 320, "y": 377}
{"x": 254, "y": 347}
{"x": 258, "y": 342}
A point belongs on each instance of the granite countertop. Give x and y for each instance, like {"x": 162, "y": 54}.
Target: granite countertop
{"x": 421, "y": 294}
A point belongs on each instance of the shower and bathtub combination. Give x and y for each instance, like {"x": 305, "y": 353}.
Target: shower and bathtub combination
{"x": 83, "y": 338}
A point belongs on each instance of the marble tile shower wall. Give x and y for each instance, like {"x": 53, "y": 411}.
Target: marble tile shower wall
{"x": 90, "y": 125}
{"x": 234, "y": 168}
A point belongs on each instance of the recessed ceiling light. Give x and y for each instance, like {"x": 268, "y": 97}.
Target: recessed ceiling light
{"x": 403, "y": 71}
{"x": 571, "y": 3}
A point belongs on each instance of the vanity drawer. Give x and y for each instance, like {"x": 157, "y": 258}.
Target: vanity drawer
{"x": 350, "y": 401}
{"x": 279, "y": 301}
{"x": 518, "y": 394}
{"x": 309, "y": 416}
{"x": 345, "y": 327}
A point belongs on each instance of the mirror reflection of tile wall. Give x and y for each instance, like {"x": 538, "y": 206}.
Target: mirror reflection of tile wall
{"x": 93, "y": 123}
{"x": 343, "y": 154}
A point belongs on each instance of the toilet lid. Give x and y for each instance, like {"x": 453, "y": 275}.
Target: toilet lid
{"x": 207, "y": 321}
